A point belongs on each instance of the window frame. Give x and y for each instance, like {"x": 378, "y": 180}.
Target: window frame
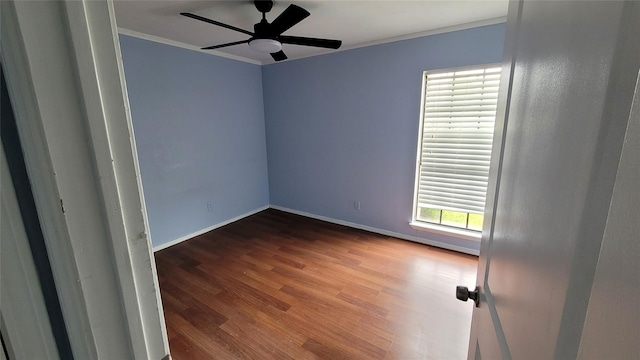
{"x": 416, "y": 223}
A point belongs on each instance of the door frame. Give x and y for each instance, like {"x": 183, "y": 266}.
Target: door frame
{"x": 26, "y": 323}
{"x": 65, "y": 79}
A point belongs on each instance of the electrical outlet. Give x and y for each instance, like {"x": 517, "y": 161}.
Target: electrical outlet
{"x": 209, "y": 207}
{"x": 356, "y": 205}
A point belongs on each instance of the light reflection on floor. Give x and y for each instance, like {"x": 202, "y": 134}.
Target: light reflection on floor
{"x": 439, "y": 325}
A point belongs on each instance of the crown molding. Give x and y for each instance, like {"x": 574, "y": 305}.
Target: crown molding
{"x": 443, "y": 30}
{"x": 437, "y": 31}
{"x": 179, "y": 44}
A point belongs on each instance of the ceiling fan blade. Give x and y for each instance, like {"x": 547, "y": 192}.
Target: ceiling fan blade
{"x": 289, "y": 17}
{"x": 306, "y": 41}
{"x": 198, "y": 17}
{"x": 279, "y": 56}
{"x": 225, "y": 45}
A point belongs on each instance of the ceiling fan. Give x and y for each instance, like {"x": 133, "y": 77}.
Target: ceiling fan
{"x": 267, "y": 37}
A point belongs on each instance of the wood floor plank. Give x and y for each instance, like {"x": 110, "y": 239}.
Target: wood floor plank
{"x": 273, "y": 319}
{"x": 363, "y": 304}
{"x": 338, "y": 274}
{"x": 327, "y": 307}
{"x": 201, "y": 315}
{"x": 336, "y": 335}
{"x": 282, "y": 286}
{"x": 306, "y": 279}
{"x": 326, "y": 352}
{"x": 207, "y": 342}
{"x": 184, "y": 349}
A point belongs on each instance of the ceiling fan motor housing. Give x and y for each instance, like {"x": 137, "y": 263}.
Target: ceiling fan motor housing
{"x": 262, "y": 30}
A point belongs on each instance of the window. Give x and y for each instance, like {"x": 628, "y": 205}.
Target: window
{"x": 458, "y": 117}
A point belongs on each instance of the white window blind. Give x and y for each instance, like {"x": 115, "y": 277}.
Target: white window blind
{"x": 457, "y": 134}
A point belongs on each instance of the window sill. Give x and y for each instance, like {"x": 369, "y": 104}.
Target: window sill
{"x": 446, "y": 230}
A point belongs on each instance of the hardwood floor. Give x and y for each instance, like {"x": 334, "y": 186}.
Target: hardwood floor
{"x": 281, "y": 286}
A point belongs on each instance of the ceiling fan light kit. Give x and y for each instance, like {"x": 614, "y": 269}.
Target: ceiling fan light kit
{"x": 265, "y": 45}
{"x": 267, "y": 37}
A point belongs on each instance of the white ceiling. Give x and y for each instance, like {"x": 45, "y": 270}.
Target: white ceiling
{"x": 356, "y": 22}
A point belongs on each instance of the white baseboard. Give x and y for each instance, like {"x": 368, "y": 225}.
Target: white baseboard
{"x": 381, "y": 231}
{"x": 213, "y": 227}
{"x": 327, "y": 219}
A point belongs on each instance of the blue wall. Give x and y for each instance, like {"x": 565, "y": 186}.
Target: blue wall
{"x": 343, "y": 127}
{"x": 339, "y": 128}
{"x": 199, "y": 128}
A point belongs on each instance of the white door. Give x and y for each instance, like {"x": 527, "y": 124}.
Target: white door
{"x": 613, "y": 317}
{"x": 571, "y": 68}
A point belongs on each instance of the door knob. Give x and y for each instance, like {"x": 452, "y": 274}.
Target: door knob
{"x": 463, "y": 293}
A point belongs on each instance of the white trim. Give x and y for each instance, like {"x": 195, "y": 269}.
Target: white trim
{"x": 331, "y": 220}
{"x": 206, "y": 230}
{"x": 443, "y": 30}
{"x": 25, "y": 326}
{"x": 416, "y": 170}
{"x": 76, "y": 135}
{"x": 462, "y": 68}
{"x": 446, "y": 230}
{"x": 380, "y": 231}
{"x": 179, "y": 44}
{"x": 100, "y": 76}
{"x": 22, "y": 88}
